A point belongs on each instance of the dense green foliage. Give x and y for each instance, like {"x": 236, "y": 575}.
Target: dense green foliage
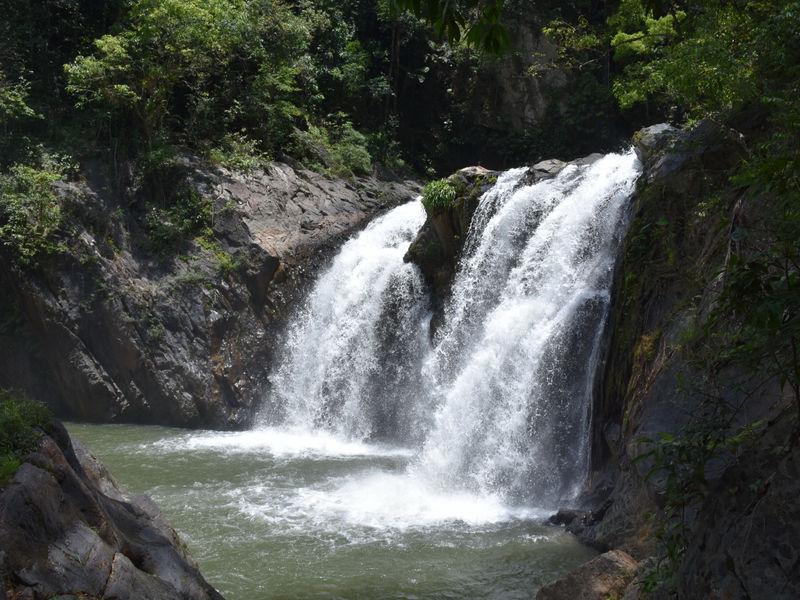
{"x": 30, "y": 212}
{"x": 193, "y": 71}
{"x": 438, "y": 194}
{"x": 21, "y": 421}
{"x": 236, "y": 78}
{"x": 339, "y": 86}
{"x": 478, "y": 22}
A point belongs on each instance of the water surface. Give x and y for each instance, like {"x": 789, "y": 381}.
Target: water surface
{"x": 282, "y": 514}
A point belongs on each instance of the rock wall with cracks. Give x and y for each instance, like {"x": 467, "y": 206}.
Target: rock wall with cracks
{"x": 739, "y": 531}
{"x": 68, "y": 531}
{"x": 109, "y": 332}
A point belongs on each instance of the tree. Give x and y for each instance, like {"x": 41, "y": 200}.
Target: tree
{"x": 196, "y": 68}
{"x": 477, "y": 22}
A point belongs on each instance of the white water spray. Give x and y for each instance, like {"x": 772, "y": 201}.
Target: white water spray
{"x": 351, "y": 359}
{"x": 498, "y": 406}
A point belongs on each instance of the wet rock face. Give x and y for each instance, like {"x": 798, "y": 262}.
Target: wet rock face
{"x": 110, "y": 332}
{"x": 67, "y": 530}
{"x": 671, "y": 255}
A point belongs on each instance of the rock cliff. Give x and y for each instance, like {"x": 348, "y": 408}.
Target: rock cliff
{"x": 730, "y": 533}
{"x": 110, "y": 331}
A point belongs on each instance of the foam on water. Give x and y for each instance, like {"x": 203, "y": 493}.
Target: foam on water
{"x": 280, "y": 443}
{"x": 349, "y": 360}
{"x": 375, "y": 500}
{"x": 304, "y": 525}
{"x": 514, "y": 368}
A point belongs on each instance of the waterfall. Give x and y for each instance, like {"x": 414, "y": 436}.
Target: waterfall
{"x": 351, "y": 359}
{"x": 498, "y": 403}
{"x": 514, "y": 362}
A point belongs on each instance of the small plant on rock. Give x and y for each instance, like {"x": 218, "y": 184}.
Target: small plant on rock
{"x": 438, "y": 195}
{"x": 21, "y": 421}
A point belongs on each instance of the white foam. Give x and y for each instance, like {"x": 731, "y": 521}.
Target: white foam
{"x": 378, "y": 500}
{"x": 497, "y": 408}
{"x": 280, "y": 443}
{"x": 367, "y": 305}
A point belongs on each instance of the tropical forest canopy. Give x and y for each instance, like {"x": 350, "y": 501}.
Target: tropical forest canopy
{"x": 366, "y": 80}
{"x": 348, "y": 85}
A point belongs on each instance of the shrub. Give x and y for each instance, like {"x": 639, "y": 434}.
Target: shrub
{"x": 338, "y": 145}
{"x": 21, "y": 421}
{"x": 201, "y": 68}
{"x": 226, "y": 262}
{"x": 438, "y": 194}
{"x": 168, "y": 226}
{"x": 238, "y": 153}
{"x": 349, "y": 149}
{"x": 30, "y": 213}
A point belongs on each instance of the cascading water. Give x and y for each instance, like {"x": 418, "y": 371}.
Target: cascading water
{"x": 401, "y": 466}
{"x": 351, "y": 359}
{"x": 498, "y": 405}
{"x": 515, "y": 359}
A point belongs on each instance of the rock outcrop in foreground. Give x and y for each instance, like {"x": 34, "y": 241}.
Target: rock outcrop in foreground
{"x": 601, "y": 578}
{"x": 68, "y": 531}
{"x": 109, "y": 330}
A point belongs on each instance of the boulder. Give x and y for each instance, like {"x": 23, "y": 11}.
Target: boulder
{"x": 653, "y": 139}
{"x": 437, "y": 247}
{"x": 547, "y": 169}
{"x": 603, "y": 577}
{"x": 587, "y": 160}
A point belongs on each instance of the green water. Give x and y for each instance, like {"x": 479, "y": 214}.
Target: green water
{"x": 275, "y": 514}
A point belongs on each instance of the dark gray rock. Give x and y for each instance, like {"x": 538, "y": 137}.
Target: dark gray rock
{"x": 651, "y": 140}
{"x": 646, "y": 385}
{"x": 107, "y": 332}
{"x": 741, "y": 532}
{"x": 547, "y": 169}
{"x": 601, "y": 578}
{"x": 746, "y": 542}
{"x": 63, "y": 536}
{"x": 586, "y": 160}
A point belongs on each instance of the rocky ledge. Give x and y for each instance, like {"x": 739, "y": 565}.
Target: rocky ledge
{"x": 601, "y": 578}
{"x": 67, "y": 531}
{"x": 109, "y": 330}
